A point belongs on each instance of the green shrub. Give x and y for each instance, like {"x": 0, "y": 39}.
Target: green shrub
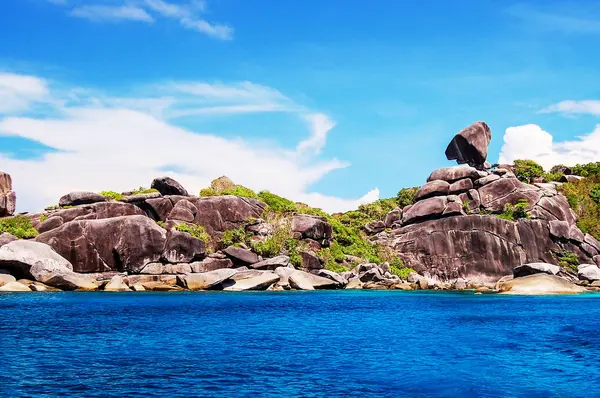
{"x": 277, "y": 203}
{"x": 197, "y": 231}
{"x": 568, "y": 259}
{"x": 582, "y": 196}
{"x": 279, "y": 242}
{"x": 19, "y": 226}
{"x": 312, "y": 211}
{"x": 233, "y": 237}
{"x": 241, "y": 191}
{"x": 208, "y": 192}
{"x": 53, "y": 207}
{"x": 112, "y": 195}
{"x": 586, "y": 170}
{"x": 527, "y": 170}
{"x": 332, "y": 256}
{"x": 406, "y": 196}
{"x": 43, "y": 217}
{"x": 553, "y": 176}
{"x": 397, "y": 268}
{"x": 595, "y": 194}
{"x": 142, "y": 190}
{"x": 161, "y": 224}
{"x": 514, "y": 212}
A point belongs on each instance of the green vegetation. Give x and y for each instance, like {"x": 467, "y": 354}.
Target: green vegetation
{"x": 397, "y": 268}
{"x": 584, "y": 198}
{"x": 234, "y": 237}
{"x": 197, "y": 231}
{"x": 406, "y": 197}
{"x": 280, "y": 242}
{"x": 112, "y": 195}
{"x": 586, "y": 170}
{"x": 19, "y": 226}
{"x": 277, "y": 203}
{"x": 527, "y": 170}
{"x": 567, "y": 259}
{"x": 514, "y": 212}
{"x": 332, "y": 256}
{"x": 241, "y": 191}
{"x": 43, "y": 217}
{"x": 208, "y": 192}
{"x": 161, "y": 224}
{"x": 142, "y": 190}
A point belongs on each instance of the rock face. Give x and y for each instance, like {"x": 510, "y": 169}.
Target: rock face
{"x": 168, "y": 186}
{"x": 311, "y": 227}
{"x": 470, "y": 146}
{"x": 6, "y": 238}
{"x": 539, "y": 284}
{"x": 535, "y": 268}
{"x": 119, "y": 244}
{"x": 80, "y": 198}
{"x": 8, "y": 198}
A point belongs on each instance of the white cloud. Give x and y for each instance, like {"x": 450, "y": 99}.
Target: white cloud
{"x": 101, "y": 13}
{"x": 187, "y": 14}
{"x": 19, "y": 92}
{"x": 116, "y": 143}
{"x": 532, "y": 142}
{"x": 590, "y": 107}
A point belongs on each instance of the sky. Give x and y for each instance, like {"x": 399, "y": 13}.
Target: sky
{"x": 331, "y": 103}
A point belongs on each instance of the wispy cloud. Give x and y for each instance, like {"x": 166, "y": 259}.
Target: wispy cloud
{"x": 187, "y": 14}
{"x": 584, "y": 107}
{"x": 85, "y": 127}
{"x": 101, "y": 13}
{"x": 582, "y": 18}
{"x": 19, "y": 92}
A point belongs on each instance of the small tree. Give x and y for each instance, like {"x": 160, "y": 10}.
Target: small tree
{"x": 527, "y": 170}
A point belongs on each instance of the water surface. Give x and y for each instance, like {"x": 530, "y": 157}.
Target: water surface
{"x": 346, "y": 343}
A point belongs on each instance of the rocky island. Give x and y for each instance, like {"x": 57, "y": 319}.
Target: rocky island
{"x": 491, "y": 228}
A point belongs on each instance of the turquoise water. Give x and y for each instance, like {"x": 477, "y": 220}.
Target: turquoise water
{"x": 299, "y": 344}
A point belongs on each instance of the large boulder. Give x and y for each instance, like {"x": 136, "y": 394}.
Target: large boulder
{"x": 168, "y": 186}
{"x": 535, "y": 268}
{"x": 211, "y": 264}
{"x": 8, "y": 199}
{"x": 206, "y": 280}
{"x": 117, "y": 284}
{"x": 272, "y": 263}
{"x": 241, "y": 256}
{"x": 311, "y": 227}
{"x": 260, "y": 280}
{"x": 539, "y": 284}
{"x": 14, "y": 287}
{"x": 113, "y": 244}
{"x": 182, "y": 247}
{"x": 470, "y": 145}
{"x": 7, "y": 238}
{"x": 20, "y": 256}
{"x": 425, "y": 209}
{"x": 588, "y": 272}
{"x": 455, "y": 173}
{"x": 433, "y": 188}
{"x": 80, "y": 198}
{"x": 497, "y": 194}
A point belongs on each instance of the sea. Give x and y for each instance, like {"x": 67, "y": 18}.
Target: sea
{"x": 299, "y": 344}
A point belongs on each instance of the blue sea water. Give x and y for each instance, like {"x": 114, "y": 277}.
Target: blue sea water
{"x": 299, "y": 344}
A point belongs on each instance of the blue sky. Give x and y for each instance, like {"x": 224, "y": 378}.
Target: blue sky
{"x": 252, "y": 89}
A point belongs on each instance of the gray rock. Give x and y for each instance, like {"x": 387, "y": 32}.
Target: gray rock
{"x": 22, "y": 255}
{"x": 433, "y": 188}
{"x": 570, "y": 178}
{"x": 312, "y": 227}
{"x": 455, "y": 173}
{"x": 470, "y": 145}
{"x": 460, "y": 186}
{"x": 80, "y": 198}
{"x": 334, "y": 276}
{"x": 535, "y": 268}
{"x": 272, "y": 263}
{"x": 588, "y": 272}
{"x": 392, "y": 217}
{"x": 425, "y": 209}
{"x": 117, "y": 284}
{"x": 374, "y": 227}
{"x": 240, "y": 255}
{"x": 559, "y": 229}
{"x": 7, "y": 238}
{"x": 299, "y": 280}
{"x": 260, "y": 282}
{"x": 486, "y": 180}
{"x": 539, "y": 284}
{"x": 153, "y": 269}
{"x": 168, "y": 186}
{"x": 142, "y": 197}
{"x": 211, "y": 264}
{"x": 206, "y": 280}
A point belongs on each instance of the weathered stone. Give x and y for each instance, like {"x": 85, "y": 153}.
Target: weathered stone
{"x": 222, "y": 213}
{"x": 206, "y": 280}
{"x": 80, "y": 198}
{"x": 14, "y": 287}
{"x": 222, "y": 183}
{"x": 373, "y": 275}
{"x": 6, "y": 278}
{"x": 50, "y": 224}
{"x": 25, "y": 258}
{"x": 176, "y": 269}
{"x": 211, "y": 264}
{"x": 425, "y": 209}
{"x": 181, "y": 214}
{"x": 535, "y": 268}
{"x": 570, "y": 178}
{"x": 309, "y": 262}
{"x": 374, "y": 227}
{"x": 554, "y": 208}
{"x": 433, "y": 188}
{"x": 460, "y": 284}
{"x": 470, "y": 145}
{"x": 486, "y": 180}
{"x": 588, "y": 272}
{"x": 539, "y": 284}
{"x": 312, "y": 227}
{"x": 284, "y": 274}
{"x": 6, "y": 238}
{"x": 158, "y": 208}
{"x": 160, "y": 287}
{"x": 259, "y": 282}
{"x": 239, "y": 255}
{"x": 392, "y": 217}
{"x": 113, "y": 244}
{"x": 590, "y": 240}
{"x": 141, "y": 197}
{"x": 588, "y": 249}
{"x": 471, "y": 199}
{"x": 496, "y": 195}
{"x": 97, "y": 211}
{"x": 182, "y": 247}
{"x": 460, "y": 186}
{"x": 153, "y": 269}
{"x": 559, "y": 229}
{"x": 65, "y": 280}
{"x": 354, "y": 284}
{"x": 334, "y": 276}
{"x": 142, "y": 279}
{"x": 117, "y": 284}
{"x": 453, "y": 209}
{"x": 138, "y": 288}
{"x": 272, "y": 263}
{"x": 455, "y": 173}
{"x": 168, "y": 186}
{"x": 576, "y": 235}
{"x": 299, "y": 280}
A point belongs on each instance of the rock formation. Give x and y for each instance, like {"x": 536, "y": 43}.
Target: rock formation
{"x": 8, "y": 198}
{"x": 470, "y": 146}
